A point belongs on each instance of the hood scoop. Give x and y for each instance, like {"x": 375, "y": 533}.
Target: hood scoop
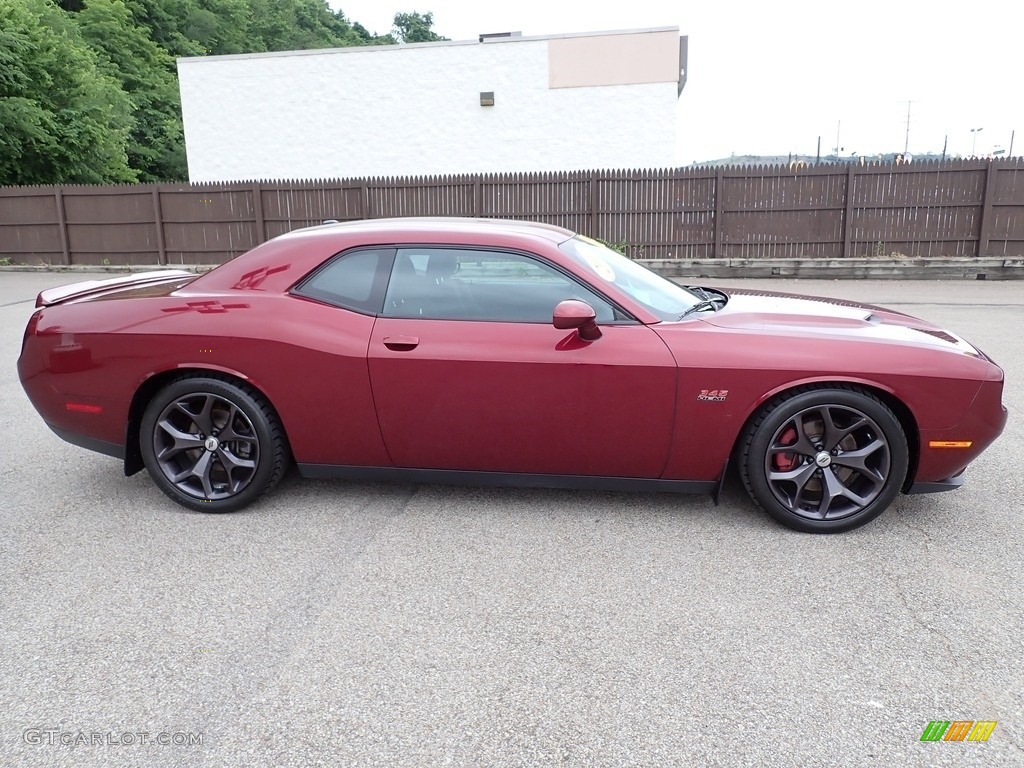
{"x": 938, "y": 334}
{"x": 767, "y": 311}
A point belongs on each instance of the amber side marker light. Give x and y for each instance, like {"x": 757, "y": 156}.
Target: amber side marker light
{"x": 84, "y": 407}
{"x": 950, "y": 443}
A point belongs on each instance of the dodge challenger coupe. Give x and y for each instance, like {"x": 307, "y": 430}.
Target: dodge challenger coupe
{"x": 470, "y": 351}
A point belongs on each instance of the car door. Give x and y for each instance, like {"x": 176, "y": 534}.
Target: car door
{"x": 331, "y": 418}
{"x": 468, "y": 372}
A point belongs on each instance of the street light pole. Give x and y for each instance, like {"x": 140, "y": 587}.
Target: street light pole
{"x": 906, "y": 142}
{"x": 974, "y": 139}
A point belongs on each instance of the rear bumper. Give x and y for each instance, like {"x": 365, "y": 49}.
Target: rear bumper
{"x": 949, "y": 484}
{"x": 90, "y": 443}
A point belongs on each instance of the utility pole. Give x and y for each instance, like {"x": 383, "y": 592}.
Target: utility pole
{"x": 1010, "y": 153}
{"x": 817, "y": 159}
{"x": 945, "y": 143}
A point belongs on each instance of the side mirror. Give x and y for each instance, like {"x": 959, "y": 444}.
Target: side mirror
{"x": 573, "y": 313}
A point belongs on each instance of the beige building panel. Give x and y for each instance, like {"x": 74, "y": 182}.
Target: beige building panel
{"x": 647, "y": 57}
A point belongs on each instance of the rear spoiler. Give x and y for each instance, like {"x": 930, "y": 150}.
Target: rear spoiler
{"x": 63, "y": 293}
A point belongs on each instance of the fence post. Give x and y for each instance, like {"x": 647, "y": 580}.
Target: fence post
{"x": 58, "y": 195}
{"x": 593, "y": 205}
{"x": 478, "y": 196}
{"x": 719, "y": 204}
{"x": 985, "y": 233}
{"x": 257, "y": 206}
{"x": 158, "y": 220}
{"x": 848, "y": 213}
{"x": 366, "y": 199}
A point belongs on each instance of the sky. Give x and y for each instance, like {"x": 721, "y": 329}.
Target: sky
{"x": 770, "y": 78}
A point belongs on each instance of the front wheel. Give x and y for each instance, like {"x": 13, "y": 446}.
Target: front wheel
{"x": 211, "y": 444}
{"x": 824, "y": 460}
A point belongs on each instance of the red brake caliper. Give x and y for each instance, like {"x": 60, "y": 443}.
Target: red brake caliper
{"x": 783, "y": 462}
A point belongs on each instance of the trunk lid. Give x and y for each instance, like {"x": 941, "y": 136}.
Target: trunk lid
{"x": 140, "y": 284}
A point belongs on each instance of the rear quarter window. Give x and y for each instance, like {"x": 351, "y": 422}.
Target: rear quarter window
{"x": 352, "y": 280}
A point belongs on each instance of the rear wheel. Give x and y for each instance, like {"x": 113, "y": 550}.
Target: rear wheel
{"x": 824, "y": 460}
{"x": 212, "y": 445}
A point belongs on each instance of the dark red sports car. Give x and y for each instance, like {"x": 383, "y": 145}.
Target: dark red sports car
{"x": 500, "y": 352}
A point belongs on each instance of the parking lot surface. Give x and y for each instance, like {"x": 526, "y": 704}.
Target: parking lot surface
{"x": 400, "y": 625}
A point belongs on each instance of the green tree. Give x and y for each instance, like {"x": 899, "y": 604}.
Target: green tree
{"x": 165, "y": 20}
{"x": 89, "y": 88}
{"x": 295, "y": 25}
{"x": 416, "y": 28}
{"x": 61, "y": 118}
{"x": 220, "y": 26}
{"x": 147, "y": 74}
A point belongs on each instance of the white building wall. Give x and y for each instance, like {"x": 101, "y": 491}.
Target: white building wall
{"x": 413, "y": 110}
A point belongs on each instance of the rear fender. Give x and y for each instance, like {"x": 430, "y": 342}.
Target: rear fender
{"x": 145, "y": 392}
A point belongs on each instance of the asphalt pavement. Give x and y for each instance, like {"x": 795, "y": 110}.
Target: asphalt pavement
{"x": 364, "y": 624}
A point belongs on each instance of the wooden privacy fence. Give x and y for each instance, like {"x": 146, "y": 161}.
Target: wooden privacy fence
{"x": 927, "y": 209}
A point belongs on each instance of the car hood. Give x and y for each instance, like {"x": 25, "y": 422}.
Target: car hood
{"x": 770, "y": 312}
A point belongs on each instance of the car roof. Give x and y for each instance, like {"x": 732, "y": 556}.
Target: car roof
{"x": 279, "y": 262}
{"x": 440, "y": 224}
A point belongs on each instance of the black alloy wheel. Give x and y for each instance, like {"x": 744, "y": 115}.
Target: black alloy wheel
{"x": 212, "y": 445}
{"x": 824, "y": 460}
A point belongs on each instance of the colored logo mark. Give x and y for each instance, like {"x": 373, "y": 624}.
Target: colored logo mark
{"x": 713, "y": 395}
{"x": 958, "y": 730}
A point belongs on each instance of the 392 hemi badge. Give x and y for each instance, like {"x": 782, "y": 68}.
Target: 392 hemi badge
{"x": 713, "y": 395}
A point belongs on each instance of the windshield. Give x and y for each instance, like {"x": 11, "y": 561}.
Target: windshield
{"x": 661, "y": 296}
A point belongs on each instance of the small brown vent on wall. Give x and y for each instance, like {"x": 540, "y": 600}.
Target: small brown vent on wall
{"x": 486, "y": 98}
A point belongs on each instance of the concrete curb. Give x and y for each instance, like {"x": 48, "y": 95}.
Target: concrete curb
{"x": 952, "y": 268}
{"x": 848, "y": 269}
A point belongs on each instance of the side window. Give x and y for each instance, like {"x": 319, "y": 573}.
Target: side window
{"x": 454, "y": 284}
{"x": 354, "y": 280}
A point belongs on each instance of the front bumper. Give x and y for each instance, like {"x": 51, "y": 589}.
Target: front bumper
{"x": 949, "y": 484}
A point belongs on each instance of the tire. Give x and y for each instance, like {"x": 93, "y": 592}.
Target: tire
{"x": 211, "y": 444}
{"x": 847, "y": 458}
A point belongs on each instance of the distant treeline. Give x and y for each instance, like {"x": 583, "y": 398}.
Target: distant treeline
{"x": 886, "y": 157}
